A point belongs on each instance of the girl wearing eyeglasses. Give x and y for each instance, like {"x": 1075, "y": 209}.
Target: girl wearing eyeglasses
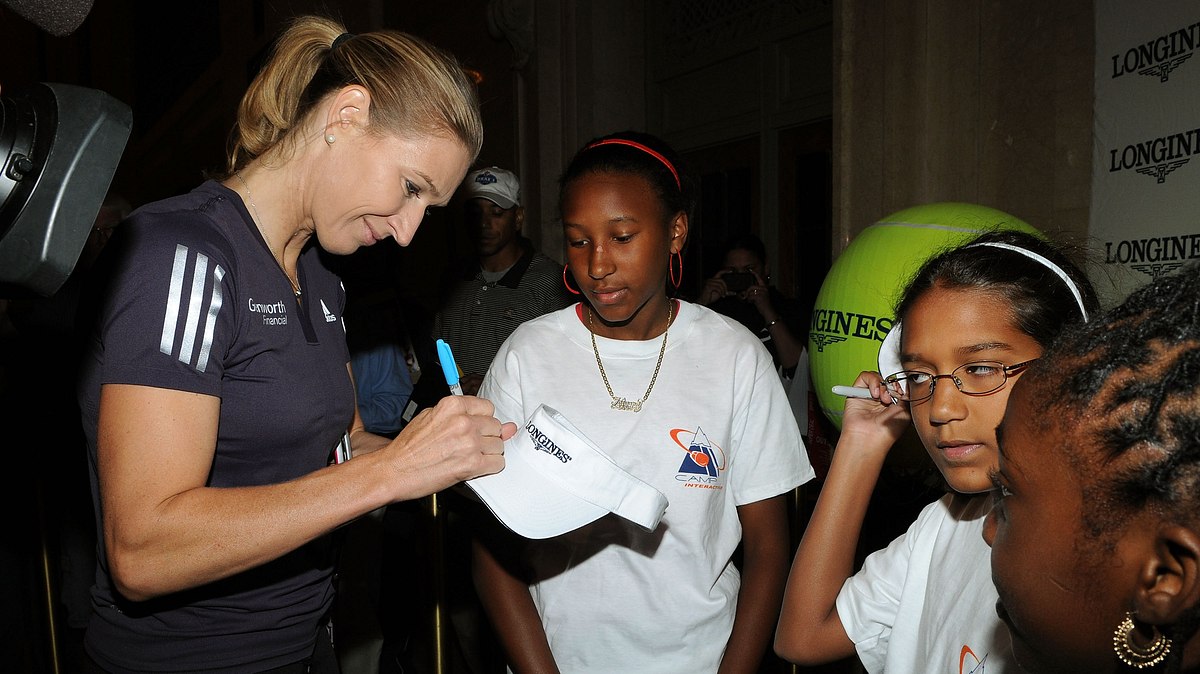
{"x": 967, "y": 325}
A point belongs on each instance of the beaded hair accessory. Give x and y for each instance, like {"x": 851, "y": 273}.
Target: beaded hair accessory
{"x": 643, "y": 148}
{"x": 889, "y": 350}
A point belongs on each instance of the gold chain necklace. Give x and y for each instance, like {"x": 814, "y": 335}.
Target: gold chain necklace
{"x": 258, "y": 219}
{"x": 622, "y": 404}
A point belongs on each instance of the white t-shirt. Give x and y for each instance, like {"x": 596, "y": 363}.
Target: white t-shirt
{"x": 926, "y": 604}
{"x": 715, "y": 433}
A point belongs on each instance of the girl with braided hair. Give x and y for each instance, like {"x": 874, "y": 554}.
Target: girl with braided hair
{"x": 1096, "y": 533}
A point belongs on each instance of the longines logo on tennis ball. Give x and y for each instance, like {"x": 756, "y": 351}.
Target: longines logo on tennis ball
{"x": 830, "y": 326}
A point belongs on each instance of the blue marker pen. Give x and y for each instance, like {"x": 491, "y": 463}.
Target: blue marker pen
{"x": 449, "y": 367}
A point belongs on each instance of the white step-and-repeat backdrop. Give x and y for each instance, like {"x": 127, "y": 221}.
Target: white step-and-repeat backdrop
{"x": 1145, "y": 215}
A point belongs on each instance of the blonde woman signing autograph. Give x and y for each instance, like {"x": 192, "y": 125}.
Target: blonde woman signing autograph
{"x": 218, "y": 381}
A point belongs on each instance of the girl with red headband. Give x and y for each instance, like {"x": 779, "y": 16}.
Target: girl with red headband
{"x": 682, "y": 397}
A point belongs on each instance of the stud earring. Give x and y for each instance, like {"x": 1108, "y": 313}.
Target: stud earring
{"x": 330, "y": 139}
{"x": 1139, "y": 657}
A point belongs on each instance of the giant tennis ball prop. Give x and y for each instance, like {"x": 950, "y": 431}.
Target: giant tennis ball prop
{"x": 853, "y": 310}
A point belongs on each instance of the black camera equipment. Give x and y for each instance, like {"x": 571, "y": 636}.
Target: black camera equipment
{"x": 59, "y": 18}
{"x": 737, "y": 281}
{"x": 59, "y": 148}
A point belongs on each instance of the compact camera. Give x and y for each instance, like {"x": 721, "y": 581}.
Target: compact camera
{"x": 738, "y": 281}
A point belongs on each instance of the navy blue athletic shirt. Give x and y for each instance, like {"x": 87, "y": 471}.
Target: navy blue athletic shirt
{"x": 196, "y": 302}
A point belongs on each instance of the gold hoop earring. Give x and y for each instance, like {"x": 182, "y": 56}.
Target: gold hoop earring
{"x": 1139, "y": 657}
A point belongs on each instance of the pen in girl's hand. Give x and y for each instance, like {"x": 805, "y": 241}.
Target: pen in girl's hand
{"x": 852, "y": 391}
{"x": 449, "y": 367}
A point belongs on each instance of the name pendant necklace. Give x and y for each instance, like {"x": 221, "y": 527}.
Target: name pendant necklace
{"x": 618, "y": 403}
{"x": 257, "y": 220}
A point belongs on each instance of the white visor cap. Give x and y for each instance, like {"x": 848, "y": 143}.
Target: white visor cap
{"x": 556, "y": 480}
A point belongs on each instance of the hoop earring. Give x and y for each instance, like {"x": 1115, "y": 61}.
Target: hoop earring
{"x": 568, "y": 283}
{"x": 1139, "y": 657}
{"x": 675, "y": 280}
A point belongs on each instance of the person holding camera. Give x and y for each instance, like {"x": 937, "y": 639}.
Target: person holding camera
{"x": 741, "y": 290}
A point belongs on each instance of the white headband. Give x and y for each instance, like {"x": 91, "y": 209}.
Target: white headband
{"x": 889, "y": 350}
{"x": 1046, "y": 263}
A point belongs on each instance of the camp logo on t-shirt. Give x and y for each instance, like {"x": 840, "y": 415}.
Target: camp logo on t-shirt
{"x": 703, "y": 461}
{"x": 969, "y": 663}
